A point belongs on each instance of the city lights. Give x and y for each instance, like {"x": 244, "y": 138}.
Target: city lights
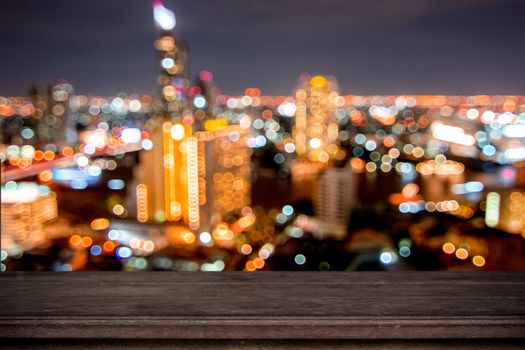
{"x": 199, "y": 176}
{"x": 164, "y": 18}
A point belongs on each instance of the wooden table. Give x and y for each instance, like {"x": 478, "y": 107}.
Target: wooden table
{"x": 269, "y": 310}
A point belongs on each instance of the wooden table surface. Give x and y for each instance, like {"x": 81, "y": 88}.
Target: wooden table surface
{"x": 260, "y": 310}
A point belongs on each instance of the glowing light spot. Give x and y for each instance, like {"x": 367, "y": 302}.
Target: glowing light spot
{"x": 164, "y": 18}
{"x": 75, "y": 240}
{"x": 206, "y": 75}
{"x": 279, "y": 158}
{"x": 371, "y": 167}
{"x": 370, "y": 145}
{"x": 289, "y": 147}
{"x": 318, "y": 81}
{"x": 287, "y": 210}
{"x": 147, "y": 145}
{"x": 134, "y": 243}
{"x": 250, "y": 266}
{"x": 246, "y": 249}
{"x": 478, "y": 260}
{"x": 410, "y": 190}
{"x": 148, "y": 246}
{"x": 360, "y": 139}
{"x": 45, "y": 176}
{"x": 404, "y": 252}
{"x": 130, "y": 135}
{"x": 300, "y": 259}
{"x": 108, "y": 246}
{"x": 315, "y": 143}
{"x": 492, "y": 209}
{"x": 404, "y": 208}
{"x": 386, "y": 258}
{"x": 167, "y": 63}
{"x": 113, "y": 234}
{"x": 472, "y": 113}
{"x": 116, "y": 184}
{"x": 123, "y": 252}
{"x": 177, "y": 132}
{"x": 27, "y": 133}
{"x": 78, "y": 184}
{"x": 199, "y": 101}
{"x": 461, "y": 253}
{"x": 94, "y": 170}
{"x": 118, "y": 209}
{"x": 188, "y": 237}
{"x": 11, "y": 185}
{"x": 82, "y": 161}
{"x": 86, "y": 241}
{"x": 281, "y": 218}
{"x": 259, "y": 263}
{"x": 205, "y": 237}
{"x": 100, "y": 224}
{"x": 95, "y": 250}
{"x": 449, "y": 248}
{"x": 489, "y": 150}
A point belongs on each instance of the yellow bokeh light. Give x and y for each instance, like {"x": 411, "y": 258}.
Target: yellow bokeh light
{"x": 478, "y": 260}
{"x": 462, "y": 253}
{"x": 118, "y": 209}
{"x": 100, "y": 224}
{"x": 449, "y": 248}
{"x": 318, "y": 81}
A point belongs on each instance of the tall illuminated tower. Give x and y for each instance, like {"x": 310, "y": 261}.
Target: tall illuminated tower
{"x": 172, "y": 59}
{"x": 199, "y": 165}
{"x": 316, "y": 129}
{"x": 167, "y": 177}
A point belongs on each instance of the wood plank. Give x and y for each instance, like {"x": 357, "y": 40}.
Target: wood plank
{"x": 272, "y": 306}
{"x": 250, "y": 344}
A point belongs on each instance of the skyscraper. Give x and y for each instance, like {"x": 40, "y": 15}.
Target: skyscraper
{"x": 177, "y": 179}
{"x": 172, "y": 59}
{"x": 224, "y": 172}
{"x": 316, "y": 129}
{"x": 26, "y": 207}
{"x": 335, "y": 195}
{"x": 165, "y": 172}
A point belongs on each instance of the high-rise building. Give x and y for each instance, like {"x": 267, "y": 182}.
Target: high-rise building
{"x": 210, "y": 178}
{"x": 52, "y": 115}
{"x": 335, "y": 195}
{"x": 167, "y": 176}
{"x": 178, "y": 180}
{"x": 224, "y": 172}
{"x": 205, "y": 106}
{"x": 172, "y": 60}
{"x": 26, "y": 207}
{"x": 316, "y": 129}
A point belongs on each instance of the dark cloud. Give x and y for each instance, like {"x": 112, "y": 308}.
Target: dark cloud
{"x": 374, "y": 46}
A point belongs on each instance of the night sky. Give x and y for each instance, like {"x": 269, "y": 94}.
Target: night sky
{"x": 371, "y": 47}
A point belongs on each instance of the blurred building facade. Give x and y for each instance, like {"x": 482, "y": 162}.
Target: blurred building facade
{"x": 178, "y": 180}
{"x": 26, "y": 208}
{"x": 224, "y": 172}
{"x": 335, "y": 195}
{"x": 316, "y": 129}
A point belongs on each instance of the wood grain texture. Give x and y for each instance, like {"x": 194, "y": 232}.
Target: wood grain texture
{"x": 251, "y": 344}
{"x": 367, "y": 308}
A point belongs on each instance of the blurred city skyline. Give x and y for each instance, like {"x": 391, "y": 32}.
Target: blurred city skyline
{"x": 249, "y": 155}
{"x": 377, "y": 47}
